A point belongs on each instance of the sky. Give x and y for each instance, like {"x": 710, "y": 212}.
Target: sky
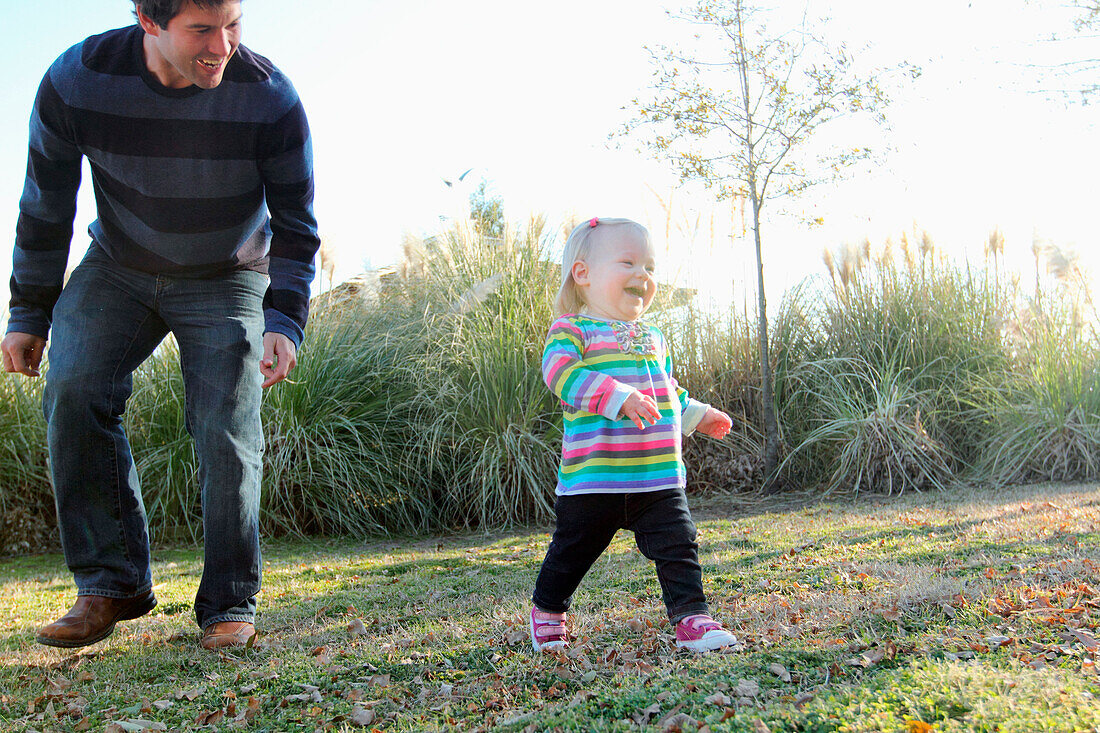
{"x": 402, "y": 94}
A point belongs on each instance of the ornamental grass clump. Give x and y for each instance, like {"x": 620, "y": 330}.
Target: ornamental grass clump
{"x": 489, "y": 430}
{"x": 882, "y": 371}
{"x": 1044, "y": 421}
{"x": 870, "y": 432}
{"x": 26, "y": 498}
{"x": 339, "y": 435}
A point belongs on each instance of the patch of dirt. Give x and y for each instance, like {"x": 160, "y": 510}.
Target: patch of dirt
{"x": 23, "y": 531}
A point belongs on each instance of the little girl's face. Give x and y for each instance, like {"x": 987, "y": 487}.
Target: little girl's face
{"x": 616, "y": 279}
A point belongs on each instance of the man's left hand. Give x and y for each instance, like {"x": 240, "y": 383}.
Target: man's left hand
{"x": 280, "y": 356}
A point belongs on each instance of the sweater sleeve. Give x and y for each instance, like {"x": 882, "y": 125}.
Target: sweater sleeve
{"x": 691, "y": 411}
{"x": 576, "y": 384}
{"x": 287, "y": 169}
{"x": 44, "y": 229}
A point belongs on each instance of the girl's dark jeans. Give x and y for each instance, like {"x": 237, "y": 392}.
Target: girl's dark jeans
{"x": 662, "y": 528}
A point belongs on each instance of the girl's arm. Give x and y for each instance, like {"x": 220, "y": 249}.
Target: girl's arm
{"x": 585, "y": 388}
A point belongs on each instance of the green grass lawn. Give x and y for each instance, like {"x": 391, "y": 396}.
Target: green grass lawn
{"x": 964, "y": 610}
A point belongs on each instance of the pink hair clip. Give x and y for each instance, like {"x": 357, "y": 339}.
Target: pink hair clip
{"x": 593, "y": 221}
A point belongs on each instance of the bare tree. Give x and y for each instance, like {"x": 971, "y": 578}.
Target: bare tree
{"x": 1083, "y": 69}
{"x": 743, "y": 114}
{"x": 1064, "y": 56}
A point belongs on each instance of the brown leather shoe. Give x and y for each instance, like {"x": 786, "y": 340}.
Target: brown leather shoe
{"x": 227, "y": 633}
{"x": 93, "y": 618}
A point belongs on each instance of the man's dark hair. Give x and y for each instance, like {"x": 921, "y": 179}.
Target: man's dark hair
{"x": 162, "y": 11}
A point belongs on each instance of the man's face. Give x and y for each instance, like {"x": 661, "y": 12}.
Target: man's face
{"x": 196, "y": 45}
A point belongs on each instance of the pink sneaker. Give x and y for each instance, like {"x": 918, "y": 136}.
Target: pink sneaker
{"x": 548, "y": 630}
{"x": 701, "y": 633}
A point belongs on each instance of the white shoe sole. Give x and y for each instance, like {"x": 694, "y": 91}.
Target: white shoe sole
{"x": 711, "y": 641}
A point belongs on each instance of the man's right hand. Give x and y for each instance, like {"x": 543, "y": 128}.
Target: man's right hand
{"x": 22, "y": 353}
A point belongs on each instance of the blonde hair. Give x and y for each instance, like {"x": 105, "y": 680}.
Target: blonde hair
{"x": 586, "y": 237}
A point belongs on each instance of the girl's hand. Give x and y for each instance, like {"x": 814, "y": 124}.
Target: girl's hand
{"x": 715, "y": 423}
{"x": 640, "y": 408}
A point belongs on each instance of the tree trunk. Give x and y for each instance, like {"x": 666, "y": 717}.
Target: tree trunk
{"x": 767, "y": 391}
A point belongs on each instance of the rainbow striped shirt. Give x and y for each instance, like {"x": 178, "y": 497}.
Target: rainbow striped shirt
{"x": 593, "y": 365}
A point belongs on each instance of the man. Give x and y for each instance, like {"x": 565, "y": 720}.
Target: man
{"x": 202, "y": 170}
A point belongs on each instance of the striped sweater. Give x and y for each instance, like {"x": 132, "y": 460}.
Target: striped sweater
{"x": 188, "y": 182}
{"x": 593, "y": 365}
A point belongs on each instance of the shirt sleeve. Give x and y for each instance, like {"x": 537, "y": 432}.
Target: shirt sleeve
{"x": 691, "y": 411}
{"x": 44, "y": 229}
{"x": 576, "y": 384}
{"x": 287, "y": 169}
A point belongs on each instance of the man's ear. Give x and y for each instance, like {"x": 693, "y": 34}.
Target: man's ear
{"x": 579, "y": 271}
{"x": 146, "y": 25}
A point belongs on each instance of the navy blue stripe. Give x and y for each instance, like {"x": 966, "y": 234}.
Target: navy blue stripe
{"x": 199, "y": 139}
{"x": 162, "y": 176}
{"x": 50, "y": 110}
{"x": 113, "y": 52}
{"x": 122, "y": 248}
{"x": 295, "y": 247}
{"x": 35, "y": 297}
{"x": 35, "y": 235}
{"x": 288, "y": 302}
{"x": 280, "y": 194}
{"x": 51, "y": 175}
{"x": 290, "y": 132}
{"x": 183, "y": 215}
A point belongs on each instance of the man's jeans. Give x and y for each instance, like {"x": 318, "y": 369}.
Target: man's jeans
{"x": 663, "y": 531}
{"x": 108, "y": 320}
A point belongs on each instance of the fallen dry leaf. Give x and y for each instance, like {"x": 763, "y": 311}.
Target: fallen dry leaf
{"x": 1088, "y": 640}
{"x": 57, "y": 686}
{"x": 642, "y": 717}
{"x": 191, "y": 694}
{"x": 362, "y": 716}
{"x": 679, "y": 723}
{"x": 867, "y": 658}
{"x": 210, "y": 717}
{"x": 746, "y": 688}
{"x": 581, "y": 697}
{"x": 779, "y": 671}
{"x": 137, "y": 724}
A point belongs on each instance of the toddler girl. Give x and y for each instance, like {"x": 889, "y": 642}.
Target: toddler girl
{"x": 621, "y": 464}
